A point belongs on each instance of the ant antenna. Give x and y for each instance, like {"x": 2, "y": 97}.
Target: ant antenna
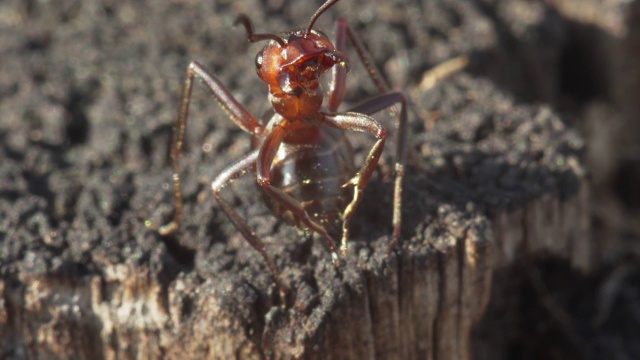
{"x": 315, "y": 16}
{"x": 244, "y": 19}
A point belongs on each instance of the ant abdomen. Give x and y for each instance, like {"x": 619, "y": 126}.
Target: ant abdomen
{"x": 314, "y": 173}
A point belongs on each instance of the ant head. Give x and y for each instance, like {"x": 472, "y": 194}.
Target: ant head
{"x": 292, "y": 65}
{"x": 298, "y": 64}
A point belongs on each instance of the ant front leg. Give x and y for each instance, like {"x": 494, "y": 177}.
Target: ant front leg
{"x": 372, "y": 106}
{"x": 361, "y": 123}
{"x": 384, "y": 100}
{"x": 338, "y": 75}
{"x": 236, "y": 112}
{"x": 268, "y": 152}
{"x": 233, "y": 172}
{"x": 388, "y": 100}
{"x": 378, "y": 103}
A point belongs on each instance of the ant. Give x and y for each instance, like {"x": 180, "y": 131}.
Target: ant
{"x": 303, "y": 159}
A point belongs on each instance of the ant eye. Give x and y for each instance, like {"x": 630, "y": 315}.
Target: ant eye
{"x": 259, "y": 59}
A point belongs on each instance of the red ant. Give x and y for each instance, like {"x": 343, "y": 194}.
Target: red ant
{"x": 303, "y": 160}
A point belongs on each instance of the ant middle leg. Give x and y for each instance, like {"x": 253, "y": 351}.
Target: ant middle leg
{"x": 237, "y": 113}
{"x": 229, "y": 174}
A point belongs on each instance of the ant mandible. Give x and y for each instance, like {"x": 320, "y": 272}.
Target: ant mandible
{"x": 304, "y": 162}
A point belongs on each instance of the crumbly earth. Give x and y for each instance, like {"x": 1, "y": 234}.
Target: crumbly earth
{"x": 89, "y": 93}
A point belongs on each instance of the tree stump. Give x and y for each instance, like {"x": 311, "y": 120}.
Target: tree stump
{"x": 84, "y": 142}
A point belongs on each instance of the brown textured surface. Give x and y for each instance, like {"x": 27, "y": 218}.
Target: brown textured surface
{"x": 88, "y": 95}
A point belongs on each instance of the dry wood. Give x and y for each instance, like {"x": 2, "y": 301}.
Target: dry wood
{"x": 492, "y": 183}
{"x": 422, "y": 303}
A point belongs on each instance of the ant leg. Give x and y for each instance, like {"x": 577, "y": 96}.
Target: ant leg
{"x": 337, "y": 84}
{"x": 236, "y": 112}
{"x": 372, "y": 106}
{"x": 361, "y": 123}
{"x": 338, "y": 81}
{"x": 338, "y": 74}
{"x": 265, "y": 159}
{"x": 383, "y": 101}
{"x": 229, "y": 174}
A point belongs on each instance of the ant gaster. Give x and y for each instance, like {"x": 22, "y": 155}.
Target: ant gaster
{"x": 303, "y": 160}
